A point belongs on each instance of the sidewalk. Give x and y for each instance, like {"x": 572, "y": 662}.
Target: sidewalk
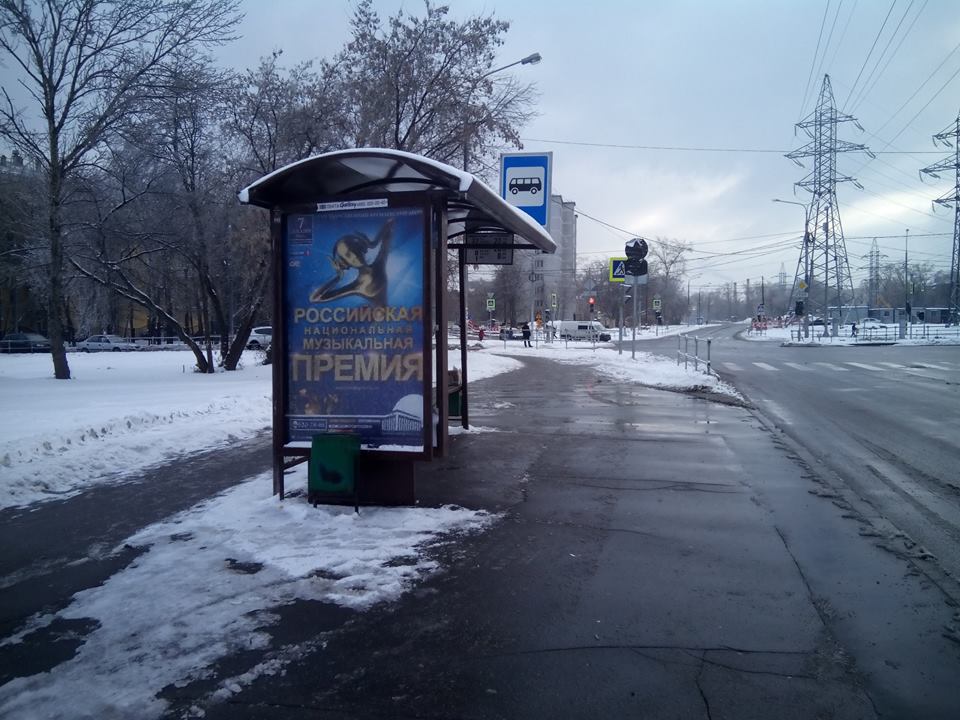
{"x": 659, "y": 556}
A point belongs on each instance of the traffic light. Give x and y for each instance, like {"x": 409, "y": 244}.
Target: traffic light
{"x": 798, "y": 310}
{"x": 592, "y": 300}
{"x": 636, "y": 267}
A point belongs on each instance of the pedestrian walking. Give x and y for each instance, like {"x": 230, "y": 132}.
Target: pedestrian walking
{"x": 480, "y": 334}
{"x": 526, "y": 335}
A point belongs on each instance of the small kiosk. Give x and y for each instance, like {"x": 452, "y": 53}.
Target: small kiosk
{"x": 359, "y": 247}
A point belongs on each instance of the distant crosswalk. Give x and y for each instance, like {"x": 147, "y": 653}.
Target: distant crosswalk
{"x": 844, "y": 366}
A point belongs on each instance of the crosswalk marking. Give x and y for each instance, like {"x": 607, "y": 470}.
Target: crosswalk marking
{"x": 865, "y": 366}
{"x": 879, "y": 366}
{"x": 936, "y": 366}
{"x": 837, "y": 368}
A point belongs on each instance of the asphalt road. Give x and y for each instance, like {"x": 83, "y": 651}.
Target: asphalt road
{"x": 880, "y": 423}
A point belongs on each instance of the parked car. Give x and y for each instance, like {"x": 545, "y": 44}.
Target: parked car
{"x": 106, "y": 343}
{"x": 260, "y": 338}
{"x": 24, "y": 342}
{"x": 871, "y": 322}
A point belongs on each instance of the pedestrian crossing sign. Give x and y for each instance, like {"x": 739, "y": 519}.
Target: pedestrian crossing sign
{"x": 618, "y": 269}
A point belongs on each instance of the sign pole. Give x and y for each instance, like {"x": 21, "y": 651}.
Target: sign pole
{"x": 622, "y": 300}
{"x": 636, "y": 291}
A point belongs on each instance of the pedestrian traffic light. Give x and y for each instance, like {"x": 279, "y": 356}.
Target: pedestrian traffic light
{"x": 798, "y": 310}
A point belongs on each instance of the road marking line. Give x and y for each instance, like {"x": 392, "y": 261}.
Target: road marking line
{"x": 798, "y": 366}
{"x": 764, "y": 366}
{"x": 837, "y": 368}
{"x": 866, "y": 367}
{"x": 936, "y": 366}
{"x": 733, "y": 366}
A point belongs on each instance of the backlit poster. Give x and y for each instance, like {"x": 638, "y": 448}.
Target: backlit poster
{"x": 354, "y": 290}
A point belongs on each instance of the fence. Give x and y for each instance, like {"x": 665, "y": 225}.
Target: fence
{"x": 683, "y": 353}
{"x": 915, "y": 331}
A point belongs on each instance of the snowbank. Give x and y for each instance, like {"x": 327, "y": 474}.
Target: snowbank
{"x": 204, "y": 587}
{"x": 647, "y": 369}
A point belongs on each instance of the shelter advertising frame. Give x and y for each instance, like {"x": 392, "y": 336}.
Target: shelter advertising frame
{"x": 353, "y": 341}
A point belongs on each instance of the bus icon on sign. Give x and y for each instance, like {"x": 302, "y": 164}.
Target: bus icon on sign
{"x": 532, "y": 185}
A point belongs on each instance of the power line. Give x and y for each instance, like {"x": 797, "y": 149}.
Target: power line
{"x": 813, "y": 62}
{"x": 872, "y": 48}
{"x": 918, "y": 90}
{"x": 826, "y": 47}
{"x": 843, "y": 34}
{"x": 867, "y": 84}
{"x": 686, "y": 148}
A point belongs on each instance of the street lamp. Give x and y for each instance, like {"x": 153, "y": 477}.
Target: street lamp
{"x": 806, "y": 262}
{"x": 528, "y": 60}
{"x": 470, "y": 128}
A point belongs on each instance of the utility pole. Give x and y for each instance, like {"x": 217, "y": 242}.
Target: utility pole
{"x": 824, "y": 251}
{"x": 951, "y": 137}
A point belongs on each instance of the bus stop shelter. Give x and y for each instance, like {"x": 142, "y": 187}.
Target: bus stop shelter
{"x": 360, "y": 241}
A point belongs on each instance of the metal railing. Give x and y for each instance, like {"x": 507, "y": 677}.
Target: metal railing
{"x": 914, "y": 331}
{"x": 683, "y": 353}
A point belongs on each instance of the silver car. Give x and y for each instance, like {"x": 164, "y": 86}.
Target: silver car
{"x": 106, "y": 343}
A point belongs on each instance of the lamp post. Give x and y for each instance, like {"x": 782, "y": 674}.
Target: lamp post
{"x": 806, "y": 261}
{"x": 531, "y": 59}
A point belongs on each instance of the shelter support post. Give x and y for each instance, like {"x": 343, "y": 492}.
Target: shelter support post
{"x": 278, "y": 364}
{"x": 439, "y": 265}
{"x": 464, "y": 405}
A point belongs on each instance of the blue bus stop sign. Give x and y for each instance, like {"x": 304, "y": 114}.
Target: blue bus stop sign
{"x": 526, "y": 183}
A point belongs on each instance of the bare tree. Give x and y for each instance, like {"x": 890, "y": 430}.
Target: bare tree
{"x": 420, "y": 84}
{"x": 86, "y": 65}
{"x": 668, "y": 266}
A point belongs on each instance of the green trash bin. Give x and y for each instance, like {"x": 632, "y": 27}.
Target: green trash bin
{"x": 453, "y": 402}
{"x": 331, "y": 468}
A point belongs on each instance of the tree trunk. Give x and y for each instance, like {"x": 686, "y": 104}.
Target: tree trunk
{"x": 61, "y": 369}
{"x": 232, "y": 357}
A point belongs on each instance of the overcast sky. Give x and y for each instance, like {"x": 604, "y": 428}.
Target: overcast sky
{"x": 728, "y": 74}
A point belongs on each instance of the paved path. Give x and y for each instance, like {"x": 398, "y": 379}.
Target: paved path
{"x": 659, "y": 556}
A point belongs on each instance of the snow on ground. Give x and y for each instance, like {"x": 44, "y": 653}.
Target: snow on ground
{"x": 119, "y": 413}
{"x": 206, "y": 584}
{"x": 647, "y": 369}
{"x": 481, "y": 365}
{"x": 122, "y": 412}
{"x": 921, "y": 335}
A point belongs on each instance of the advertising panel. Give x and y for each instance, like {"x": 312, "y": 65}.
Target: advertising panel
{"x": 355, "y": 326}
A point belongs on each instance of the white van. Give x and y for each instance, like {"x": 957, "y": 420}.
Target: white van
{"x": 591, "y": 330}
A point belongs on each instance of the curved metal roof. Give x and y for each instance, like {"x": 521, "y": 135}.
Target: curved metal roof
{"x": 352, "y": 174}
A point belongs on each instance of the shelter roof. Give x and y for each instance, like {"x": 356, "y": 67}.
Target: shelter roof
{"x": 472, "y": 207}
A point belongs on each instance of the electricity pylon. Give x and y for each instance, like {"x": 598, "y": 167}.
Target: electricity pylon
{"x": 873, "y": 283}
{"x": 823, "y": 257}
{"x": 952, "y": 197}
